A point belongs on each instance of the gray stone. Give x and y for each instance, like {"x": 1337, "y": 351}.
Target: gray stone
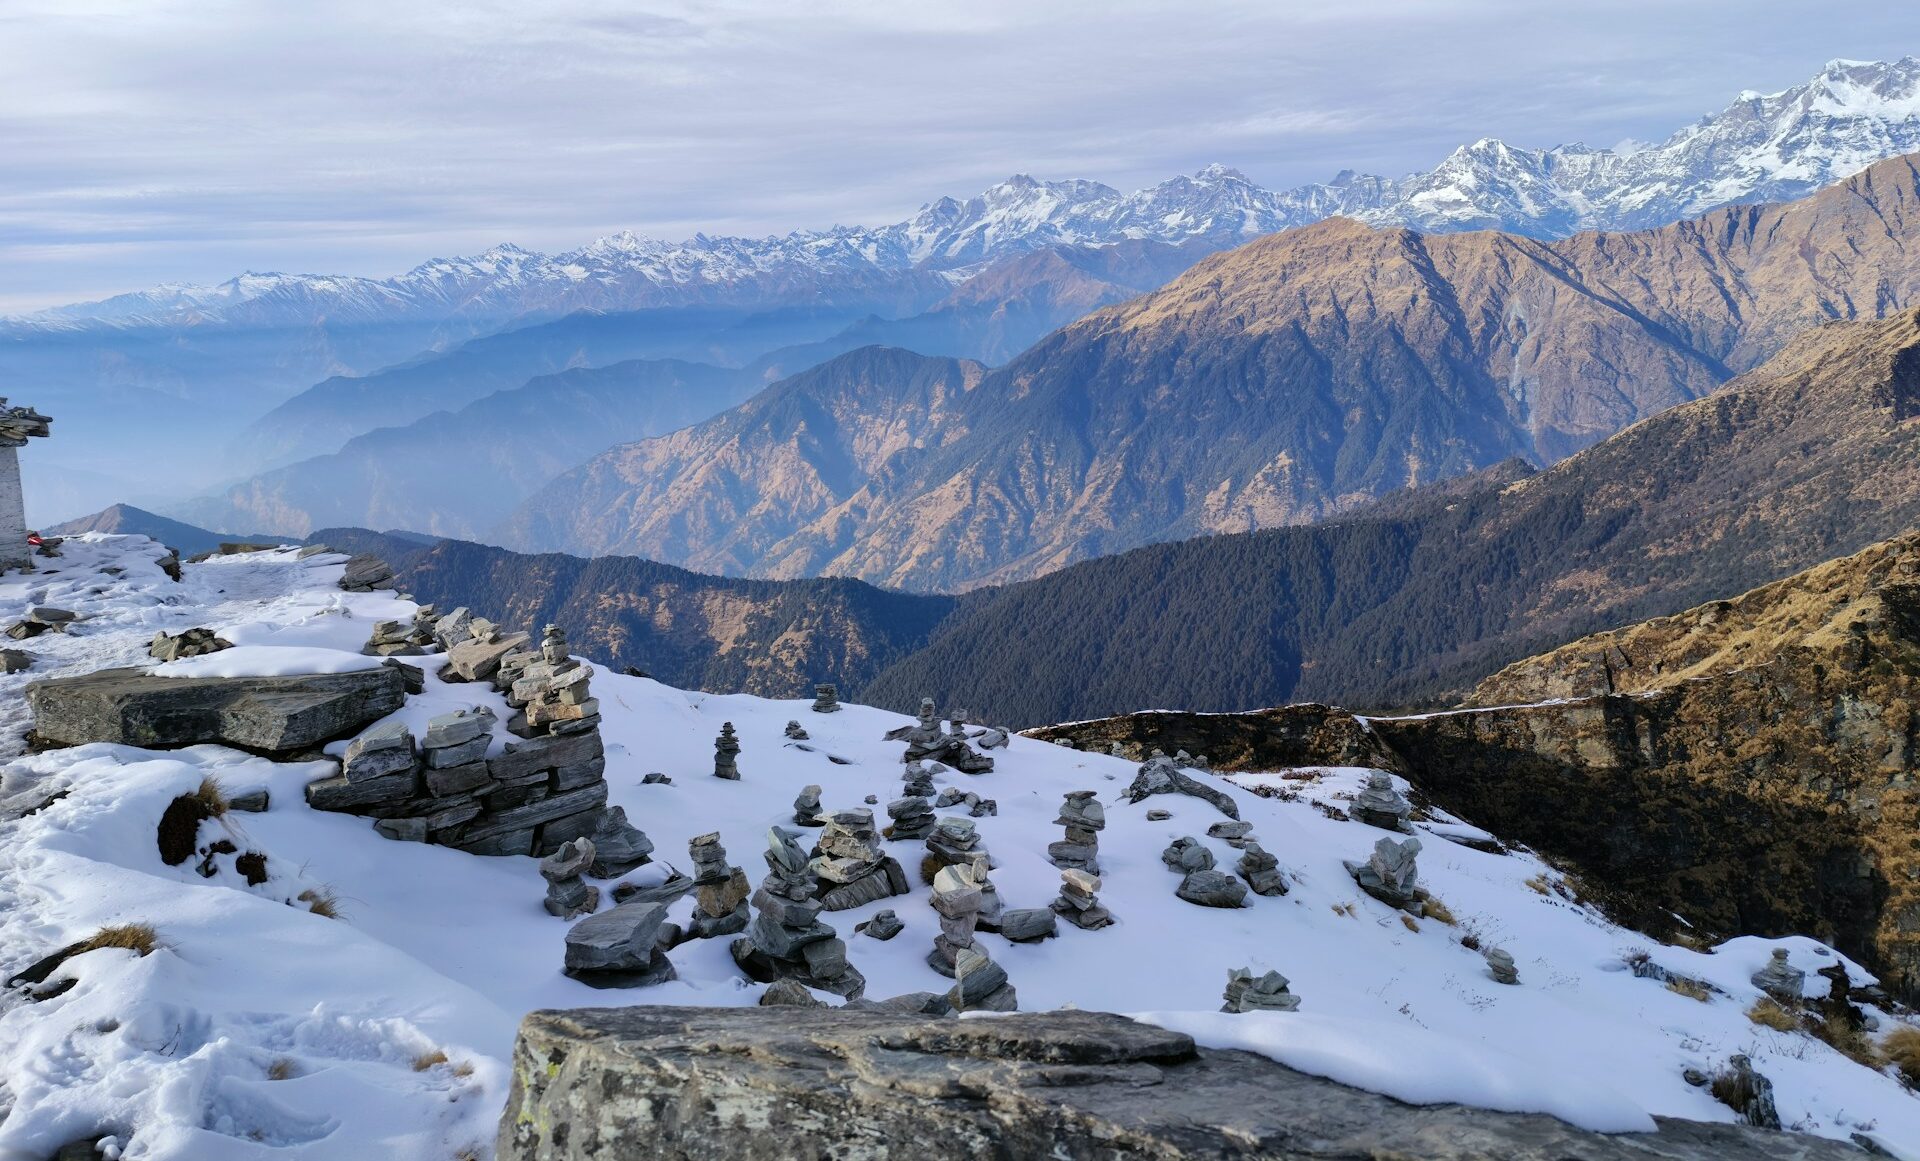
{"x": 796, "y": 732}
{"x": 366, "y": 572}
{"x": 1747, "y": 1093}
{"x": 826, "y": 699}
{"x": 15, "y": 660}
{"x": 1247, "y": 993}
{"x": 789, "y": 994}
{"x": 533, "y": 755}
{"x": 726, "y": 752}
{"x": 467, "y": 779}
{"x": 1212, "y": 889}
{"x": 1028, "y": 924}
{"x": 474, "y": 750}
{"x": 479, "y": 660}
{"x": 253, "y": 801}
{"x": 337, "y": 793}
{"x": 368, "y": 764}
{"x": 568, "y": 894}
{"x": 1160, "y": 775}
{"x": 883, "y": 926}
{"x": 412, "y": 830}
{"x": 805, "y": 1083}
{"x": 806, "y": 807}
{"x": 1157, "y": 815}
{"x": 1500, "y": 965}
{"x": 622, "y": 939}
{"x": 1261, "y": 870}
{"x": 666, "y": 892}
{"x": 1390, "y": 874}
{"x": 621, "y": 846}
{"x": 496, "y": 842}
{"x": 274, "y": 715}
{"x": 1187, "y": 854}
{"x": 1780, "y": 979}
{"x": 456, "y": 728}
{"x": 980, "y": 984}
{"x": 532, "y": 814}
{"x": 1380, "y": 804}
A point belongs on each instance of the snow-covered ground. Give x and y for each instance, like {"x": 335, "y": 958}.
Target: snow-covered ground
{"x": 260, "y": 1028}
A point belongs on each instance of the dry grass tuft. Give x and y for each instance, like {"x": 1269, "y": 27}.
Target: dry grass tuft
{"x": 1407, "y": 921}
{"x": 1849, "y": 1040}
{"x": 929, "y": 867}
{"x": 282, "y": 1069}
{"x": 212, "y": 796}
{"x": 321, "y": 901}
{"x": 135, "y": 937}
{"x": 1901, "y": 1048}
{"x": 463, "y": 1069}
{"x": 1541, "y": 884}
{"x": 1692, "y": 989}
{"x": 1769, "y": 1014}
{"x": 428, "y": 1060}
{"x": 1438, "y": 912}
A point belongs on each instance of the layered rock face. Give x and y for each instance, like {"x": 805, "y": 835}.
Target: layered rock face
{"x": 273, "y": 715}
{"x": 1747, "y": 765}
{"x": 784, "y": 1082}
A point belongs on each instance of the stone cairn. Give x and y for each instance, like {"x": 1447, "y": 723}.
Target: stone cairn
{"x": 786, "y": 939}
{"x": 826, "y": 699}
{"x": 545, "y": 788}
{"x": 1249, "y": 993}
{"x": 977, "y": 807}
{"x": 928, "y": 742}
{"x": 568, "y": 894}
{"x": 726, "y": 751}
{"x": 912, "y": 817}
{"x": 1078, "y": 903}
{"x": 1200, "y": 884}
{"x": 393, "y": 639}
{"x": 190, "y": 643}
{"x": 797, "y": 733}
{"x": 979, "y": 983}
{"x": 849, "y": 864}
{"x": 621, "y": 948}
{"x": 1501, "y": 967}
{"x": 1084, "y": 818}
{"x": 1390, "y": 875}
{"x": 1261, "y": 870}
{"x": 806, "y": 807}
{"x": 1780, "y": 979}
{"x": 918, "y": 780}
{"x": 1380, "y": 804}
{"x": 883, "y": 926}
{"x": 720, "y": 890}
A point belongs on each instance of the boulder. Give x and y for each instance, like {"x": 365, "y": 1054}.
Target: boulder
{"x": 273, "y": 715}
{"x": 755, "y": 1084}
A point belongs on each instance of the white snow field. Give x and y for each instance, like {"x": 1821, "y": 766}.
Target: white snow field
{"x": 261, "y": 1029}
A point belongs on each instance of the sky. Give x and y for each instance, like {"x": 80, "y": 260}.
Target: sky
{"x": 151, "y": 141}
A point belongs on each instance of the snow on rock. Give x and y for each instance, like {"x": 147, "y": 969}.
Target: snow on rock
{"x": 434, "y": 951}
{"x": 267, "y": 661}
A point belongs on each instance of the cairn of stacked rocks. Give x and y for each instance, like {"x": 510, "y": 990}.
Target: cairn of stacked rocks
{"x": 980, "y": 985}
{"x": 927, "y": 741}
{"x": 1084, "y": 818}
{"x": 550, "y": 689}
{"x": 957, "y": 898}
{"x": 851, "y": 868}
{"x": 1389, "y": 874}
{"x": 621, "y": 948}
{"x": 883, "y": 926}
{"x": 568, "y": 894}
{"x": 190, "y": 643}
{"x": 1248, "y": 993}
{"x": 392, "y": 639}
{"x": 1501, "y": 967}
{"x": 1236, "y": 834}
{"x": 720, "y": 890}
{"x": 1380, "y": 804}
{"x": 1261, "y": 871}
{"x": 726, "y": 752}
{"x": 1780, "y": 979}
{"x": 977, "y": 807}
{"x": 954, "y": 841}
{"x": 786, "y": 939}
{"x": 826, "y": 699}
{"x": 796, "y": 732}
{"x": 1200, "y": 884}
{"x": 806, "y": 807}
{"x": 918, "y": 779}
{"x": 912, "y": 817}
{"x": 1078, "y": 903}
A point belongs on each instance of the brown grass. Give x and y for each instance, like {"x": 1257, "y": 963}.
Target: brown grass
{"x": 929, "y": 867}
{"x": 1849, "y": 1041}
{"x": 135, "y": 937}
{"x": 212, "y": 796}
{"x": 1769, "y": 1014}
{"x": 1407, "y": 920}
{"x": 428, "y": 1060}
{"x": 282, "y": 1069}
{"x": 1901, "y": 1048}
{"x": 1540, "y": 884}
{"x": 1438, "y": 912}
{"x": 1690, "y": 988}
{"x": 1470, "y": 941}
{"x": 321, "y": 901}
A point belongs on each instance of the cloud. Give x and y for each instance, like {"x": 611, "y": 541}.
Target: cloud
{"x": 152, "y": 140}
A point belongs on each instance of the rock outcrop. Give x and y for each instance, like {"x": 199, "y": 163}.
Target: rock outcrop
{"x": 269, "y": 715}
{"x": 758, "y": 1084}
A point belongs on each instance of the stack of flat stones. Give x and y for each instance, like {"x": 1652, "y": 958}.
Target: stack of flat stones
{"x": 912, "y": 817}
{"x": 568, "y": 894}
{"x": 720, "y": 890}
{"x": 926, "y": 741}
{"x": 1501, "y": 967}
{"x": 917, "y": 780}
{"x": 1200, "y": 884}
{"x": 621, "y": 948}
{"x": 1261, "y": 870}
{"x": 726, "y": 752}
{"x": 1380, "y": 804}
{"x": 550, "y": 689}
{"x": 365, "y": 573}
{"x": 1780, "y": 979}
{"x": 796, "y": 732}
{"x": 954, "y": 841}
{"x": 806, "y": 806}
{"x": 1084, "y": 818}
{"x": 1248, "y": 993}
{"x": 977, "y": 807}
{"x": 786, "y": 939}
{"x": 41, "y": 619}
{"x": 189, "y": 643}
{"x": 394, "y": 639}
{"x": 826, "y": 699}
{"x": 1079, "y": 902}
{"x": 850, "y": 866}
{"x": 1390, "y": 874}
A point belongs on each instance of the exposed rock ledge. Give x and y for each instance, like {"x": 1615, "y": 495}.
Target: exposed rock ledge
{"x": 753, "y": 1083}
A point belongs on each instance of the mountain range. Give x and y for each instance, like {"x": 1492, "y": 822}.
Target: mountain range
{"x": 1288, "y": 380}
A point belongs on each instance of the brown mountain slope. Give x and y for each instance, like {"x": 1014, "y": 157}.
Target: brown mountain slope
{"x": 1290, "y": 379}
{"x": 1751, "y": 770}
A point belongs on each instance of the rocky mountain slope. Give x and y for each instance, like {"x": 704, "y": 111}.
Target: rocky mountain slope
{"x": 1285, "y": 381}
{"x": 349, "y": 993}
{"x": 1815, "y": 454}
{"x": 1744, "y": 765}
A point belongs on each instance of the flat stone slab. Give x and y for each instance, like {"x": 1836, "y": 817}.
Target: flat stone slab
{"x": 272, "y": 715}
{"x": 755, "y": 1084}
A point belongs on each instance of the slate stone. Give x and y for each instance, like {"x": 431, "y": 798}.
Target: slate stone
{"x": 536, "y": 754}
{"x": 470, "y": 778}
{"x": 273, "y": 715}
{"x": 480, "y": 660}
{"x": 471, "y": 750}
{"x": 337, "y": 793}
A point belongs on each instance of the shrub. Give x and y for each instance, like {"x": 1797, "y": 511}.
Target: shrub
{"x": 1901, "y": 1048}
{"x": 321, "y": 901}
{"x": 212, "y": 796}
{"x": 1769, "y": 1014}
{"x": 929, "y": 867}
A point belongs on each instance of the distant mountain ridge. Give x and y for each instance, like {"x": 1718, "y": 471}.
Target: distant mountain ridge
{"x": 1759, "y": 148}
{"x": 1295, "y": 378}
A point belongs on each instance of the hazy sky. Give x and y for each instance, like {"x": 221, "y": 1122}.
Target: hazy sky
{"x": 144, "y": 141}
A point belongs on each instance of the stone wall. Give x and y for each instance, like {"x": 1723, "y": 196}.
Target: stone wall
{"x": 759, "y": 1084}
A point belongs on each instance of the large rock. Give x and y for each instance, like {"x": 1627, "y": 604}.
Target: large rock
{"x": 274, "y": 715}
{"x": 786, "y": 1082}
